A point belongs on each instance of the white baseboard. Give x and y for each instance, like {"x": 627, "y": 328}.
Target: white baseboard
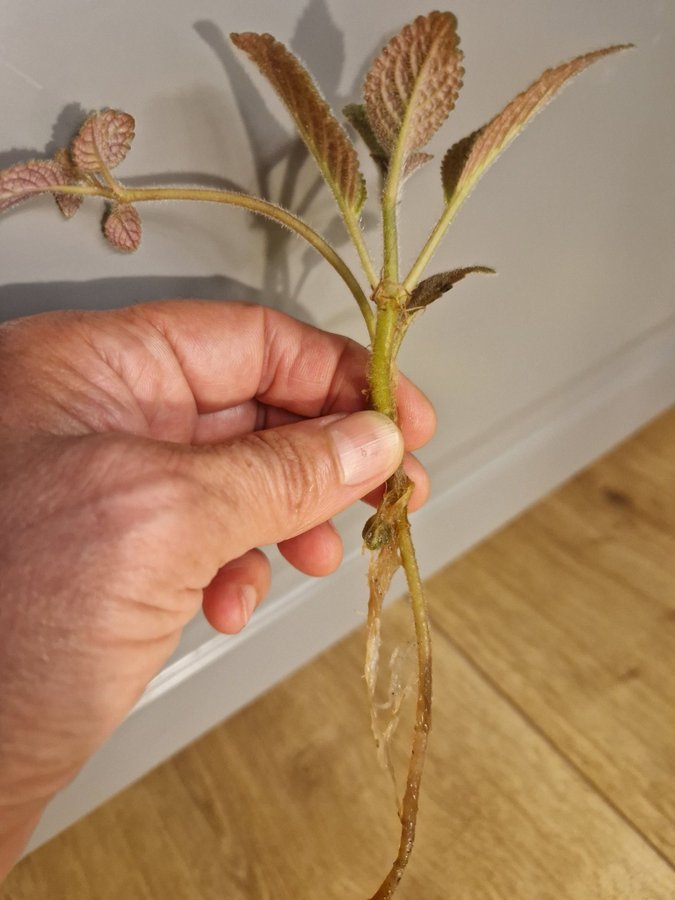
{"x": 477, "y": 489}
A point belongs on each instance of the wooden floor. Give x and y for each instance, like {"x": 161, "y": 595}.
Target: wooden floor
{"x": 552, "y": 762}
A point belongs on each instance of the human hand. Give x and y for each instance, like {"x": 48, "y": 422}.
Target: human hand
{"x": 144, "y": 455}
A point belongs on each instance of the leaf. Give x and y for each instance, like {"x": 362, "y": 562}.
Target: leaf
{"x": 67, "y": 203}
{"x": 414, "y": 82}
{"x": 356, "y": 114}
{"x": 24, "y": 180}
{"x": 415, "y": 161}
{"x": 436, "y": 285}
{"x": 122, "y": 227}
{"x": 325, "y": 138}
{"x": 103, "y": 141}
{"x": 454, "y": 162}
{"x": 467, "y": 160}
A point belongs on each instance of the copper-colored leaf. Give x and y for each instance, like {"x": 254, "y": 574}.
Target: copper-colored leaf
{"x": 67, "y": 203}
{"x": 325, "y": 138}
{"x": 415, "y": 161}
{"x": 454, "y": 162}
{"x": 356, "y": 115}
{"x": 26, "y": 179}
{"x": 467, "y": 160}
{"x": 414, "y": 82}
{"x": 122, "y": 227}
{"x": 436, "y": 285}
{"x": 103, "y": 140}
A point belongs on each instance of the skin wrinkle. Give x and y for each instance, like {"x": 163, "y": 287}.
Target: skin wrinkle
{"x": 159, "y": 369}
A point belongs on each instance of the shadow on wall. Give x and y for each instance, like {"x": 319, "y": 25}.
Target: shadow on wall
{"x": 112, "y": 293}
{"x": 273, "y": 148}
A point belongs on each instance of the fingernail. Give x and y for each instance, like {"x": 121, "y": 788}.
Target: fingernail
{"x": 249, "y": 600}
{"x": 368, "y": 446}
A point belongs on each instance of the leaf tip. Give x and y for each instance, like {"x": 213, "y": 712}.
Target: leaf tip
{"x": 103, "y": 141}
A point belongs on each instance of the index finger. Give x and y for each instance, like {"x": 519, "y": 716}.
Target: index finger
{"x": 233, "y": 352}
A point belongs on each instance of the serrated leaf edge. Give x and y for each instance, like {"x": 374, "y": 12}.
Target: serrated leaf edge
{"x": 435, "y": 286}
{"x": 462, "y": 166}
{"x": 285, "y": 61}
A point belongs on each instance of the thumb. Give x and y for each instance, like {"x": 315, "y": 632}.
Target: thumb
{"x": 269, "y": 486}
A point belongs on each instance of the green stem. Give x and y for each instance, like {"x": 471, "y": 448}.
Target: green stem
{"x": 390, "y": 194}
{"x": 432, "y": 243}
{"x": 356, "y": 235}
{"x": 381, "y": 373}
{"x": 390, "y": 325}
{"x": 254, "y": 204}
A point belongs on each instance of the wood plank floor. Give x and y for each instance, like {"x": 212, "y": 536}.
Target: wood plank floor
{"x": 552, "y": 764}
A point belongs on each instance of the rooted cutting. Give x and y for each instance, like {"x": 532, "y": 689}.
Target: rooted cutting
{"x": 409, "y": 91}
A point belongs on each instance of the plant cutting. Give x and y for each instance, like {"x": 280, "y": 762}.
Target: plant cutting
{"x": 409, "y": 91}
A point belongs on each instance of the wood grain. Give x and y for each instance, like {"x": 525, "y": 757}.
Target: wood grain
{"x": 571, "y": 611}
{"x": 551, "y": 764}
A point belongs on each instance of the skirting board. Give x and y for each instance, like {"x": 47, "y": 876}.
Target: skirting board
{"x": 476, "y": 490}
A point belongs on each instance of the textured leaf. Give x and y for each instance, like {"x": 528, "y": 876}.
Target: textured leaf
{"x": 325, "y": 138}
{"x": 67, "y": 203}
{"x": 122, "y": 227}
{"x": 103, "y": 140}
{"x": 414, "y": 82}
{"x": 26, "y": 179}
{"x": 356, "y": 115}
{"x": 415, "y": 161}
{"x": 436, "y": 285}
{"x": 466, "y": 161}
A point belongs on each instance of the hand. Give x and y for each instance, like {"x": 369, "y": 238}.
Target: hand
{"x": 144, "y": 455}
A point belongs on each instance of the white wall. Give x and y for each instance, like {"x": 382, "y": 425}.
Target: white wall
{"x": 533, "y": 373}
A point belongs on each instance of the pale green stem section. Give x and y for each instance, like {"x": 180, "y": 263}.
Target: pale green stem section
{"x": 391, "y": 325}
{"x": 254, "y": 204}
{"x": 433, "y": 241}
{"x": 380, "y": 376}
{"x": 390, "y": 194}
{"x": 355, "y": 233}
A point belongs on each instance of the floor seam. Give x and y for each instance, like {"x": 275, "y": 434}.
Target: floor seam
{"x": 522, "y": 714}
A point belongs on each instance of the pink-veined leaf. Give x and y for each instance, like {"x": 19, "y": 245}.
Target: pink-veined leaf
{"x": 67, "y": 203}
{"x": 325, "y": 138}
{"x": 27, "y": 179}
{"x": 103, "y": 141}
{"x": 122, "y": 227}
{"x": 413, "y": 83}
{"x": 436, "y": 285}
{"x": 468, "y": 159}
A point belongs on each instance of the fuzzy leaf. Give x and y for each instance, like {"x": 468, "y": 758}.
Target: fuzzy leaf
{"x": 122, "y": 227}
{"x": 103, "y": 140}
{"x": 415, "y": 161}
{"x": 356, "y": 115}
{"x": 414, "y": 82}
{"x": 325, "y": 138}
{"x": 436, "y": 285}
{"x": 26, "y": 179}
{"x": 67, "y": 203}
{"x": 467, "y": 160}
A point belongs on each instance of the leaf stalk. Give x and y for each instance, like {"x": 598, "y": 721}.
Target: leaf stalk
{"x": 253, "y": 204}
